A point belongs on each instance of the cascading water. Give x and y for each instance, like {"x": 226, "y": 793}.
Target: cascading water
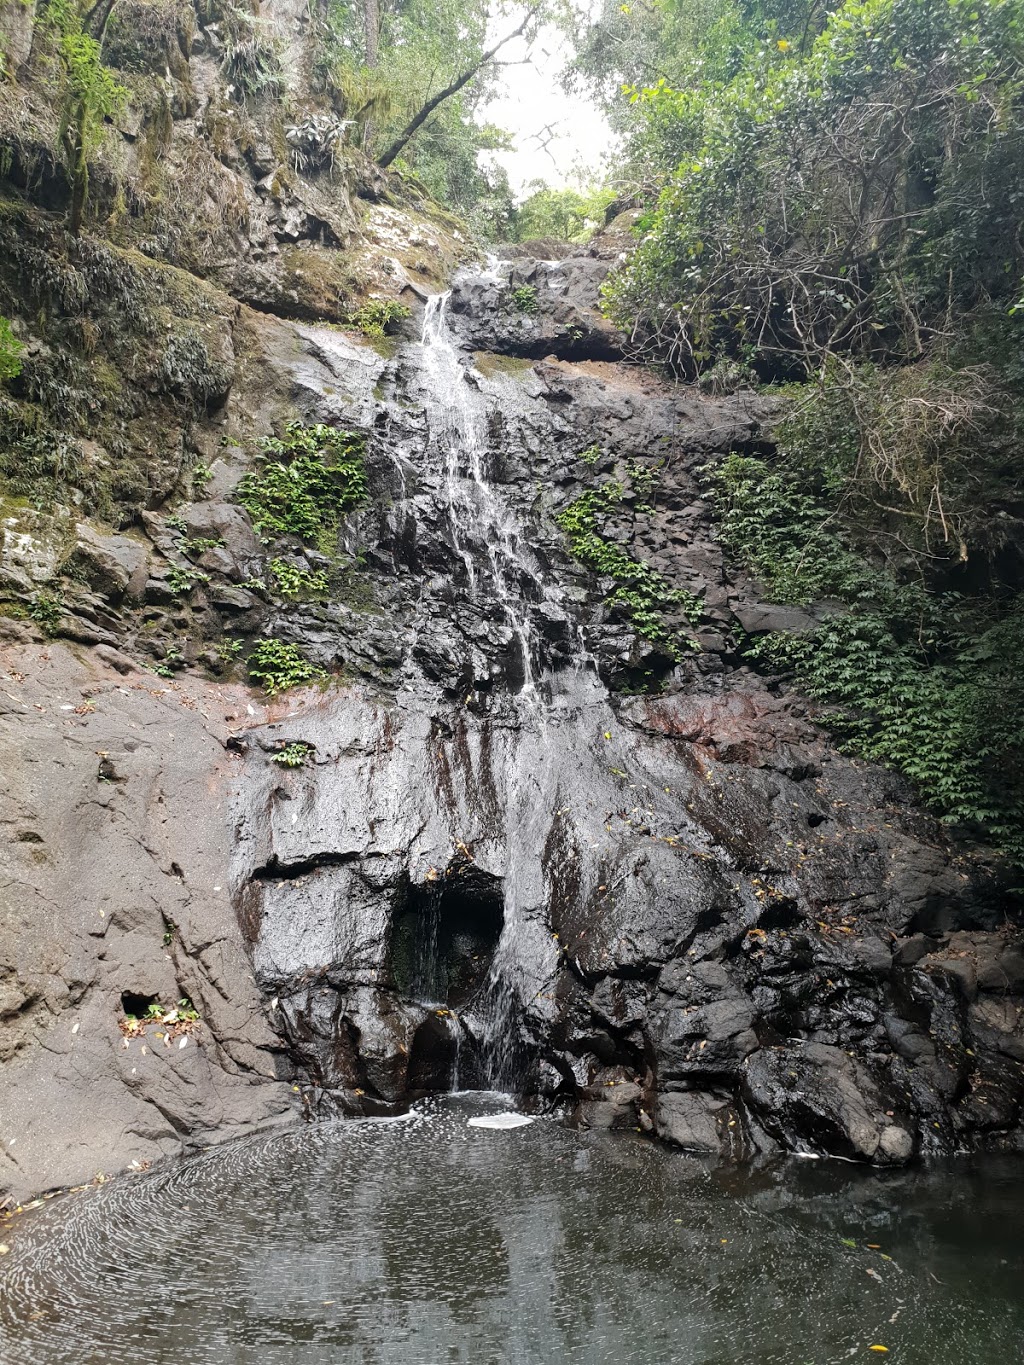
{"x": 479, "y": 519}
{"x": 488, "y": 536}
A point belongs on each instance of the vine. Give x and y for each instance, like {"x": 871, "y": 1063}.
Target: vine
{"x": 639, "y": 590}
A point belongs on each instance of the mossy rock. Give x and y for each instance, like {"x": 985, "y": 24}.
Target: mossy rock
{"x": 150, "y": 37}
{"x": 489, "y": 364}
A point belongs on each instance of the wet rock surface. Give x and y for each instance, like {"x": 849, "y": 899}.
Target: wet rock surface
{"x": 528, "y": 846}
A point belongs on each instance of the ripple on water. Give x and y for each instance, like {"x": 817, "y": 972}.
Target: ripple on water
{"x": 426, "y": 1240}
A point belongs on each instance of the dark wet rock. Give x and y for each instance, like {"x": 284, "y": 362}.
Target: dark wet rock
{"x": 826, "y": 1096}
{"x": 538, "y": 308}
{"x": 703, "y": 1122}
{"x": 115, "y": 566}
{"x": 596, "y": 859}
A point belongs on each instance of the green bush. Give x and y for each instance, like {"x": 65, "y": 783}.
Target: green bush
{"x": 927, "y": 682}
{"x": 277, "y": 665}
{"x": 524, "y": 299}
{"x": 376, "y": 315}
{"x": 293, "y": 582}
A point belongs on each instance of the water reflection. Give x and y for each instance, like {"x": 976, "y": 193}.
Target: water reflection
{"x": 426, "y": 1240}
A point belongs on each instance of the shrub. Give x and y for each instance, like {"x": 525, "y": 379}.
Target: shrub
{"x": 376, "y": 316}
{"x": 524, "y": 299}
{"x": 293, "y": 582}
{"x": 277, "y": 665}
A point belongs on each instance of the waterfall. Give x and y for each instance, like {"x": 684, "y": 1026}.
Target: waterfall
{"x": 499, "y": 564}
{"x": 480, "y": 521}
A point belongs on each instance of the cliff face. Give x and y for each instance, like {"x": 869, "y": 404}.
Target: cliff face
{"x": 543, "y": 827}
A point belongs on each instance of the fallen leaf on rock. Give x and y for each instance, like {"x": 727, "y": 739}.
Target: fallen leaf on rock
{"x": 879, "y": 1348}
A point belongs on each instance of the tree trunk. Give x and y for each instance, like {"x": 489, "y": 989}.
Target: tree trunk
{"x": 79, "y": 170}
{"x": 371, "y": 31}
{"x": 415, "y": 124}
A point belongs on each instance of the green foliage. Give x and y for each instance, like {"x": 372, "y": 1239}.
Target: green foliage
{"x": 319, "y": 475}
{"x": 47, "y": 610}
{"x": 380, "y": 75}
{"x": 564, "y": 215}
{"x": 756, "y": 240}
{"x": 926, "y": 682}
{"x": 201, "y": 476}
{"x": 524, "y": 299}
{"x": 277, "y": 665}
{"x": 229, "y": 649}
{"x": 293, "y": 582}
{"x": 591, "y": 455}
{"x": 197, "y": 545}
{"x": 182, "y": 580}
{"x": 87, "y": 94}
{"x": 376, "y": 315}
{"x": 252, "y": 56}
{"x": 639, "y": 590}
{"x": 11, "y": 350}
{"x": 293, "y": 755}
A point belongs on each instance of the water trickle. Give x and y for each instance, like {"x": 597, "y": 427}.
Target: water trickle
{"x": 485, "y": 531}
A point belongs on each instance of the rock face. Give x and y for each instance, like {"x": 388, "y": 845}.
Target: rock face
{"x": 540, "y": 832}
{"x": 117, "y": 842}
{"x": 708, "y": 922}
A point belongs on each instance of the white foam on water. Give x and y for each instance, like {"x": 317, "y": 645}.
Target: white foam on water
{"x": 506, "y": 1120}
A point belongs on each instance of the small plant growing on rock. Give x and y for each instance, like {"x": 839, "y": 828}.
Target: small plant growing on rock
{"x": 376, "y": 316}
{"x": 314, "y": 143}
{"x": 293, "y": 582}
{"x": 10, "y": 351}
{"x": 229, "y": 649}
{"x": 319, "y": 474}
{"x": 179, "y": 1019}
{"x": 292, "y": 755}
{"x": 277, "y": 665}
{"x": 182, "y": 580}
{"x": 47, "y": 611}
{"x": 524, "y": 299}
{"x": 199, "y": 544}
{"x": 201, "y": 476}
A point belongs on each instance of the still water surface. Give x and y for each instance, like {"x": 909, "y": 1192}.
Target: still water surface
{"x": 427, "y": 1240}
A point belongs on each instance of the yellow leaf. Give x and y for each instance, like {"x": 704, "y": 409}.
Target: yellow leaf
{"x": 784, "y": 46}
{"x": 879, "y": 1348}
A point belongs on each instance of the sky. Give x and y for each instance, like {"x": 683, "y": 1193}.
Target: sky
{"x": 560, "y": 139}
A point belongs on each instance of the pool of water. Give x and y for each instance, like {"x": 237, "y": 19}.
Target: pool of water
{"x": 430, "y": 1239}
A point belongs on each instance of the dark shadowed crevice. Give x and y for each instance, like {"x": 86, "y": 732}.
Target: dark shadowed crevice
{"x": 445, "y": 935}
